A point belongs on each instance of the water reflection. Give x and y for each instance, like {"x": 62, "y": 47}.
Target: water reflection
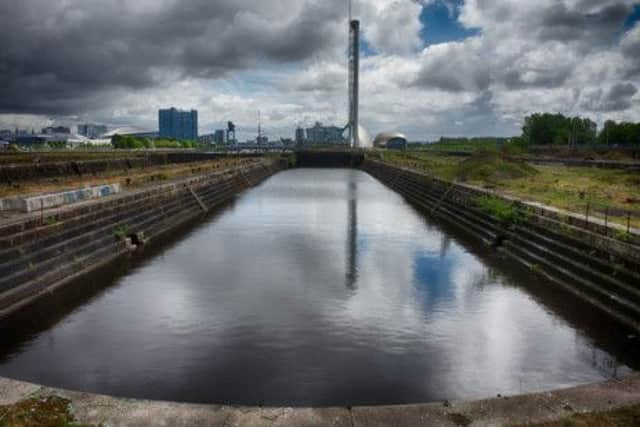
{"x": 352, "y": 235}
{"x": 252, "y": 308}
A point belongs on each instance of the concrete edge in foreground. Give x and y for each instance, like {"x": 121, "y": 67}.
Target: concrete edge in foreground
{"x": 532, "y": 408}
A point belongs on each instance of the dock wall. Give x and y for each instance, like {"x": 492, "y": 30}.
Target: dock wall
{"x": 579, "y": 257}
{"x": 40, "y": 254}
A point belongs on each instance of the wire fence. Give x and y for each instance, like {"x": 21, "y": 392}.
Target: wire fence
{"x": 612, "y": 217}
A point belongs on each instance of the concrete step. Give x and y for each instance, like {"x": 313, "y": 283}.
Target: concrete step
{"x": 445, "y": 212}
{"x": 581, "y": 255}
{"x": 73, "y": 230}
{"x": 546, "y": 226}
{"x": 67, "y": 250}
{"x": 20, "y": 295}
{"x": 540, "y": 264}
{"x": 468, "y": 212}
{"x": 607, "y": 282}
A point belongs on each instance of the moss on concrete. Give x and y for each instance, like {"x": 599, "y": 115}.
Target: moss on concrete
{"x": 617, "y": 418}
{"x": 49, "y": 411}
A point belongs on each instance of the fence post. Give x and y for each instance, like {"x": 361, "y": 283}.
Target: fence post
{"x": 628, "y": 222}
{"x": 587, "y": 212}
{"x": 606, "y": 220}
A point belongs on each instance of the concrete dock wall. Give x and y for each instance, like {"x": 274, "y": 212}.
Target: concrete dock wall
{"x": 14, "y": 172}
{"x": 602, "y": 270}
{"x": 40, "y": 254}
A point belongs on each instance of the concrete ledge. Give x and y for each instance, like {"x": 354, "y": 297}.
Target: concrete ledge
{"x": 53, "y": 200}
{"x": 533, "y": 408}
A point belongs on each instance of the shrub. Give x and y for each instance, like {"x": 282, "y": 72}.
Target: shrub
{"x": 504, "y": 211}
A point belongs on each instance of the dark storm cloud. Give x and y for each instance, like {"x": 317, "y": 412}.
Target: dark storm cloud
{"x": 563, "y": 24}
{"x": 61, "y": 57}
{"x": 617, "y": 98}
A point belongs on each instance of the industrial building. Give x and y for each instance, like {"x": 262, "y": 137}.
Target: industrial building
{"x": 92, "y": 131}
{"x": 319, "y": 134}
{"x": 178, "y": 124}
{"x": 57, "y": 130}
{"x": 390, "y": 141}
{"x": 300, "y": 136}
{"x": 220, "y": 137}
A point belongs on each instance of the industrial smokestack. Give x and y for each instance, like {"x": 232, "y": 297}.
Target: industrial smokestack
{"x": 354, "y": 81}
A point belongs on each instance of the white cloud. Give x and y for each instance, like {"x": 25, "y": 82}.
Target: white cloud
{"x": 551, "y": 55}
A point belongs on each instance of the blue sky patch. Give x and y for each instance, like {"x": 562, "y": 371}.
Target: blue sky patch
{"x": 633, "y": 18}
{"x": 440, "y": 25}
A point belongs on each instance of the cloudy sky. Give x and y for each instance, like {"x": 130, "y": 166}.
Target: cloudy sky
{"x": 429, "y": 67}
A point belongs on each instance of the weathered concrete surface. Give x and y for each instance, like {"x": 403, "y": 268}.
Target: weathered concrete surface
{"x": 533, "y": 408}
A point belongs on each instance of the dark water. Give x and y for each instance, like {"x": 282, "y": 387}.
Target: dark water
{"x": 320, "y": 287}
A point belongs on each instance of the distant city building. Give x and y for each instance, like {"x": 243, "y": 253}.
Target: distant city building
{"x": 300, "y": 137}
{"x": 320, "y": 134}
{"x": 92, "y": 131}
{"x": 220, "y": 137}
{"x": 262, "y": 140}
{"x": 207, "y": 138}
{"x": 30, "y": 139}
{"x": 287, "y": 142}
{"x": 56, "y": 130}
{"x": 178, "y": 124}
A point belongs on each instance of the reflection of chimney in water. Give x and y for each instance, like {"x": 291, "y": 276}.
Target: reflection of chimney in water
{"x": 354, "y": 82}
{"x": 445, "y": 244}
{"x": 352, "y": 234}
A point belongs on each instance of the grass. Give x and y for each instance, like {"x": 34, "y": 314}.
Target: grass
{"x": 121, "y": 232}
{"x": 505, "y": 212}
{"x": 492, "y": 167}
{"x": 46, "y": 412}
{"x": 568, "y": 188}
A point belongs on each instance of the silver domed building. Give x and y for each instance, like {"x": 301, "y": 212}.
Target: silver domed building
{"x": 390, "y": 140}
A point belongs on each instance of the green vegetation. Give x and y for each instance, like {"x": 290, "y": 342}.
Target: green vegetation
{"x": 492, "y": 167}
{"x": 506, "y": 212}
{"x": 136, "y": 143}
{"x": 619, "y": 133}
{"x": 130, "y": 142}
{"x": 121, "y": 232}
{"x": 542, "y": 129}
{"x": 568, "y": 188}
{"x": 50, "y": 411}
{"x": 168, "y": 143}
{"x": 472, "y": 144}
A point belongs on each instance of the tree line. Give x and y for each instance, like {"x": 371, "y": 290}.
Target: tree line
{"x": 545, "y": 129}
{"x": 134, "y": 143}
